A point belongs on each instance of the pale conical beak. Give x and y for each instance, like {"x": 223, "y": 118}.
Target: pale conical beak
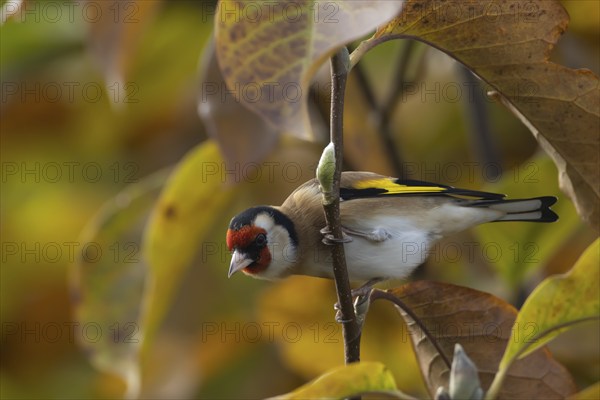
{"x": 239, "y": 261}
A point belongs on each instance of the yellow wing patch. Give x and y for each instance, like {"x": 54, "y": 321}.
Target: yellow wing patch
{"x": 395, "y": 187}
{"x": 392, "y": 187}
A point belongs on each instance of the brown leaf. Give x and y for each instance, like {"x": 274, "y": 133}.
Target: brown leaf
{"x": 243, "y": 136}
{"x": 482, "y": 324}
{"x": 269, "y": 51}
{"x": 507, "y": 44}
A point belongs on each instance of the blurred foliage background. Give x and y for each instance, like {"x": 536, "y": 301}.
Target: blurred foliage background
{"x": 96, "y": 96}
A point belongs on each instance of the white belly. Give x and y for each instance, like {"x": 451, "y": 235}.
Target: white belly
{"x": 407, "y": 243}
{"x": 395, "y": 257}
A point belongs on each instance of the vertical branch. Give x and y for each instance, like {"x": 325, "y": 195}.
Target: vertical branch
{"x": 350, "y": 327}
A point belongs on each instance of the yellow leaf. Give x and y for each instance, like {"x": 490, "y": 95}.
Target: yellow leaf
{"x": 191, "y": 202}
{"x": 203, "y": 194}
{"x": 590, "y": 393}
{"x": 345, "y": 381}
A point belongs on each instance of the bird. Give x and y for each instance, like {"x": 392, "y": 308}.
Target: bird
{"x": 389, "y": 227}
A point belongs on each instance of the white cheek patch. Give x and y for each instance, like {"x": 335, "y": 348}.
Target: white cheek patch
{"x": 283, "y": 253}
{"x": 280, "y": 245}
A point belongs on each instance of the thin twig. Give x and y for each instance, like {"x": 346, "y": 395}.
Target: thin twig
{"x": 386, "y": 109}
{"x": 365, "y": 87}
{"x": 350, "y": 327}
{"x": 363, "y": 48}
{"x": 389, "y": 105}
{"x": 383, "y": 128}
{"x": 399, "y": 80}
{"x": 480, "y": 126}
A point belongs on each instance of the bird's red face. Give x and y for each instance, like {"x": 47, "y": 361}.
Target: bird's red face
{"x": 264, "y": 243}
{"x": 251, "y": 254}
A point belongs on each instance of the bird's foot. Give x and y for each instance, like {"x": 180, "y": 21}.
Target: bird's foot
{"x": 338, "y": 314}
{"x": 376, "y": 235}
{"x": 361, "y": 306}
{"x": 329, "y": 239}
{"x": 365, "y": 289}
{"x": 361, "y": 301}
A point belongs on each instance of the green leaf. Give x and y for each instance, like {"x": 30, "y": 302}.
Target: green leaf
{"x": 558, "y": 303}
{"x": 107, "y": 281}
{"x": 269, "y": 51}
{"x": 346, "y": 381}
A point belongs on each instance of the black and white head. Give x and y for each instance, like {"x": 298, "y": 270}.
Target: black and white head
{"x": 264, "y": 243}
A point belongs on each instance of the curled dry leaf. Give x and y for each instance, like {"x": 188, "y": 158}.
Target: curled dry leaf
{"x": 481, "y": 323}
{"x": 507, "y": 44}
{"x": 268, "y": 51}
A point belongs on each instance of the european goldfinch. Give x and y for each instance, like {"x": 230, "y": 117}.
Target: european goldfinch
{"x": 390, "y": 226}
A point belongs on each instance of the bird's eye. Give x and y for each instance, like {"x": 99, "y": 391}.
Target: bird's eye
{"x": 261, "y": 239}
